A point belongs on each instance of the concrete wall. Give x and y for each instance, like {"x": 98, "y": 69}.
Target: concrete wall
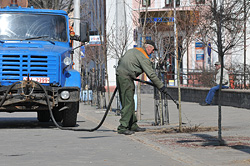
{"x": 230, "y": 97}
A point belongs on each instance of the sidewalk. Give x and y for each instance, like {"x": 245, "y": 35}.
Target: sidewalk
{"x": 193, "y": 148}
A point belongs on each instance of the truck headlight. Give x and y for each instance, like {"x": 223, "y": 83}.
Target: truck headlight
{"x": 65, "y": 95}
{"x": 67, "y": 61}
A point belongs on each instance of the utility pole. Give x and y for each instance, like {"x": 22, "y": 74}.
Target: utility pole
{"x": 56, "y": 5}
{"x": 77, "y": 54}
{"x": 105, "y": 50}
{"x": 125, "y": 24}
{"x": 245, "y": 47}
{"x": 175, "y": 45}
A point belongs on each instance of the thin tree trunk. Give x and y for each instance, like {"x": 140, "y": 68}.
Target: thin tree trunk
{"x": 160, "y": 109}
{"x": 138, "y": 115}
{"x": 179, "y": 97}
{"x": 221, "y": 58}
{"x": 221, "y": 141}
{"x": 178, "y": 81}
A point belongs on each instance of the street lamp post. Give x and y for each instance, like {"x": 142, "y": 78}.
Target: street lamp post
{"x": 245, "y": 49}
{"x": 76, "y": 57}
{"x": 175, "y": 44}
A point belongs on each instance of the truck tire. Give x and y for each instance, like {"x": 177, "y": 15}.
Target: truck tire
{"x": 43, "y": 116}
{"x": 70, "y": 115}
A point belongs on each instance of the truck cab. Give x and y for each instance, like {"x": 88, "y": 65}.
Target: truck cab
{"x": 36, "y": 64}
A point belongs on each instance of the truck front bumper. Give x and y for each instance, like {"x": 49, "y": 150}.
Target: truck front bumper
{"x": 29, "y": 96}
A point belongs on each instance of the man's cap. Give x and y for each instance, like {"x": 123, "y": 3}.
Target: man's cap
{"x": 151, "y": 43}
{"x": 217, "y": 63}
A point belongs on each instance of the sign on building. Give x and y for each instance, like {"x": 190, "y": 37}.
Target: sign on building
{"x": 199, "y": 51}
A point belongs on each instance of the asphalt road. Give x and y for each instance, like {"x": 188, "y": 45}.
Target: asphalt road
{"x": 25, "y": 141}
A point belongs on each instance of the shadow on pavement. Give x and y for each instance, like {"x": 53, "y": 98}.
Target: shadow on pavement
{"x": 23, "y": 122}
{"x": 242, "y": 148}
{"x": 33, "y": 123}
{"x": 26, "y": 122}
{"x": 93, "y": 137}
{"x": 237, "y": 143}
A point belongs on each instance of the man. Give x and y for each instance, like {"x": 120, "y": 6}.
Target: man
{"x": 130, "y": 66}
{"x": 225, "y": 84}
{"x": 60, "y": 31}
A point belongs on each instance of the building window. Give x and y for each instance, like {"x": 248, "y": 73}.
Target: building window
{"x": 200, "y": 1}
{"x": 144, "y": 3}
{"x": 170, "y": 3}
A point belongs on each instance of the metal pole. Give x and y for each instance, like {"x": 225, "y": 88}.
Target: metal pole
{"x": 117, "y": 56}
{"x": 175, "y": 45}
{"x": 245, "y": 47}
{"x": 105, "y": 50}
{"x": 57, "y": 4}
{"x": 125, "y": 25}
{"x": 77, "y": 55}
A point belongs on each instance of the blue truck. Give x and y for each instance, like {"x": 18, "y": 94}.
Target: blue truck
{"x": 35, "y": 51}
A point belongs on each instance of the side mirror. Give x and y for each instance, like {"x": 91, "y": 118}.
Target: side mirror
{"x": 84, "y": 32}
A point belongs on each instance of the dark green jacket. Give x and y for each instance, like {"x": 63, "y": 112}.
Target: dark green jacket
{"x": 133, "y": 63}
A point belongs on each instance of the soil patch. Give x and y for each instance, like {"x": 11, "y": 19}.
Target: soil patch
{"x": 184, "y": 130}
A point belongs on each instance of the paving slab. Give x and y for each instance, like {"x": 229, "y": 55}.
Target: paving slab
{"x": 188, "y": 148}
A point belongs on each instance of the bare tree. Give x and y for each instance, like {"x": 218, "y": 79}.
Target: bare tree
{"x": 118, "y": 31}
{"x": 93, "y": 12}
{"x": 185, "y": 28}
{"x": 221, "y": 23}
{"x": 162, "y": 31}
{"x": 55, "y": 4}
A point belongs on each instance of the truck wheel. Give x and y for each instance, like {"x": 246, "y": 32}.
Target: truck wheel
{"x": 43, "y": 116}
{"x": 70, "y": 115}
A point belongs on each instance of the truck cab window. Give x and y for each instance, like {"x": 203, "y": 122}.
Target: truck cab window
{"x": 16, "y": 26}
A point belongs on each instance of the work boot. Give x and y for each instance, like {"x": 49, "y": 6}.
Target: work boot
{"x": 126, "y": 132}
{"x": 204, "y": 104}
{"x": 139, "y": 129}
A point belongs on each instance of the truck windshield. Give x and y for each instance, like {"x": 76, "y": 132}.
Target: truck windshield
{"x": 19, "y": 26}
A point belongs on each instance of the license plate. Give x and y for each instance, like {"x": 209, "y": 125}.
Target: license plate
{"x": 38, "y": 79}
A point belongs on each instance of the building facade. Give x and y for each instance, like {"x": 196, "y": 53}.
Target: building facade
{"x": 125, "y": 22}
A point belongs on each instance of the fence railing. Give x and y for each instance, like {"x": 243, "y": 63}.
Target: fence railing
{"x": 200, "y": 78}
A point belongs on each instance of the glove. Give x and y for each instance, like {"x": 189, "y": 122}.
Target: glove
{"x": 163, "y": 90}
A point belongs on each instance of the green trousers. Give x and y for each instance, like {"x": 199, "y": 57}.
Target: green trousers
{"x": 126, "y": 89}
